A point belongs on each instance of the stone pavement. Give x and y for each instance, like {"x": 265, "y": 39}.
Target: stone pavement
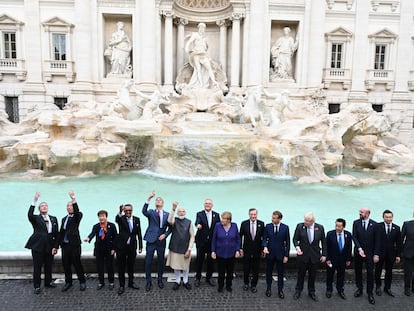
{"x": 17, "y": 294}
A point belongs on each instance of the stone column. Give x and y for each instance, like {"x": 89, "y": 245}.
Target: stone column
{"x": 316, "y": 43}
{"x": 146, "y": 40}
{"x": 255, "y": 45}
{"x": 235, "y": 51}
{"x": 168, "y": 48}
{"x": 181, "y": 22}
{"x": 359, "y": 54}
{"x": 33, "y": 91}
{"x": 223, "y": 44}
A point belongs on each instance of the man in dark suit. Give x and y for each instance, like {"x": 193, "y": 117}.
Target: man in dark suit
{"x": 155, "y": 235}
{"x": 338, "y": 257}
{"x": 387, "y": 250}
{"x": 126, "y": 245}
{"x": 42, "y": 243}
{"x": 251, "y": 236}
{"x": 276, "y": 246}
{"x": 309, "y": 240}
{"x": 407, "y": 237}
{"x": 363, "y": 235}
{"x": 205, "y": 222}
{"x": 70, "y": 242}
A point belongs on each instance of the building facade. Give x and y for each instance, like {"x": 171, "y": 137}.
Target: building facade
{"x": 59, "y": 51}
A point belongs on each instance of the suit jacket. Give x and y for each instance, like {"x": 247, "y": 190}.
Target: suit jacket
{"x": 312, "y": 250}
{"x": 387, "y": 245}
{"x": 125, "y": 233}
{"x": 407, "y": 237}
{"x": 251, "y": 247}
{"x": 154, "y": 229}
{"x": 204, "y": 235}
{"x": 108, "y": 243}
{"x": 364, "y": 238}
{"x": 72, "y": 230}
{"x": 41, "y": 240}
{"x": 332, "y": 248}
{"x": 278, "y": 243}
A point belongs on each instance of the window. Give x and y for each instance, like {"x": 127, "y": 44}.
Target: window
{"x": 380, "y": 53}
{"x": 377, "y": 107}
{"x": 59, "y": 46}
{"x": 12, "y": 108}
{"x": 61, "y": 102}
{"x": 9, "y": 45}
{"x": 334, "y": 108}
{"x": 336, "y": 55}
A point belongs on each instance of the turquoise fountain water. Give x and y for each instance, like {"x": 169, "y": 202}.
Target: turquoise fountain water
{"x": 236, "y": 195}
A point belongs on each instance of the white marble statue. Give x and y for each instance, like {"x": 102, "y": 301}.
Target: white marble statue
{"x": 282, "y": 52}
{"x": 151, "y": 108}
{"x": 197, "y": 47}
{"x": 119, "y": 51}
{"x": 123, "y": 103}
{"x": 252, "y": 109}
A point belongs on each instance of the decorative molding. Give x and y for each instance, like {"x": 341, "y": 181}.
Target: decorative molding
{"x": 207, "y": 5}
{"x": 349, "y": 3}
{"x": 9, "y": 23}
{"x": 393, "y": 3}
{"x": 384, "y": 35}
{"x": 339, "y": 33}
{"x": 181, "y": 21}
{"x": 57, "y": 23}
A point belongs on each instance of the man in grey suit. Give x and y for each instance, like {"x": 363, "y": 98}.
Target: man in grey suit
{"x": 309, "y": 241}
{"x": 407, "y": 236}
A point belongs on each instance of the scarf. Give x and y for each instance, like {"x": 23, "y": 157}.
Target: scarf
{"x": 103, "y": 231}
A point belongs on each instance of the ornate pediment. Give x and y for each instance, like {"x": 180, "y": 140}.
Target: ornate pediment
{"x": 339, "y": 33}
{"x": 57, "y": 23}
{"x": 384, "y": 35}
{"x": 7, "y": 22}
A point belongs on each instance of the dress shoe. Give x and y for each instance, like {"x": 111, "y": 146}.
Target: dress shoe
{"x": 210, "y": 282}
{"x": 245, "y": 287}
{"x": 268, "y": 292}
{"x": 176, "y": 286}
{"x": 371, "y": 299}
{"x": 50, "y": 285}
{"x": 313, "y": 296}
{"x": 389, "y": 292}
{"x": 66, "y": 287}
{"x": 121, "y": 290}
{"x": 229, "y": 289}
{"x": 133, "y": 285}
{"x": 328, "y": 294}
{"x": 36, "y": 291}
{"x": 160, "y": 284}
{"x": 358, "y": 293}
{"x": 100, "y": 286}
{"x": 82, "y": 287}
{"x": 220, "y": 289}
{"x": 342, "y": 294}
{"x": 148, "y": 287}
{"x": 187, "y": 285}
{"x": 111, "y": 286}
{"x": 197, "y": 283}
{"x": 378, "y": 291}
{"x": 407, "y": 292}
{"x": 281, "y": 294}
{"x": 253, "y": 289}
{"x": 296, "y": 295}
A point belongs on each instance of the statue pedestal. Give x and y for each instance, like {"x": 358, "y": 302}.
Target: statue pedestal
{"x": 203, "y": 99}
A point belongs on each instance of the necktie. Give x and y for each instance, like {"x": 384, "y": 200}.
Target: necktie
{"x": 46, "y": 223}
{"x": 274, "y": 228}
{"x": 341, "y": 247}
{"x": 252, "y": 231}
{"x": 277, "y": 228}
{"x": 309, "y": 235}
{"x": 67, "y": 221}
{"x": 363, "y": 225}
{"x": 388, "y": 229}
{"x": 130, "y": 224}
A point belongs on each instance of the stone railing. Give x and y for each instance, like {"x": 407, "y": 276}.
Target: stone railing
{"x": 59, "y": 68}
{"x": 13, "y": 66}
{"x": 337, "y": 75}
{"x": 379, "y": 76}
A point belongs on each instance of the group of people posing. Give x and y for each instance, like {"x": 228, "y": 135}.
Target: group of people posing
{"x": 218, "y": 239}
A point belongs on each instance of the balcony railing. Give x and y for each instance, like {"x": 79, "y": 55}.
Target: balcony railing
{"x": 380, "y": 76}
{"x": 59, "y": 68}
{"x": 13, "y": 66}
{"x": 337, "y": 75}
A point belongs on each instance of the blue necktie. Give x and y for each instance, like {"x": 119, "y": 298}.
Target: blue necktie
{"x": 340, "y": 242}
